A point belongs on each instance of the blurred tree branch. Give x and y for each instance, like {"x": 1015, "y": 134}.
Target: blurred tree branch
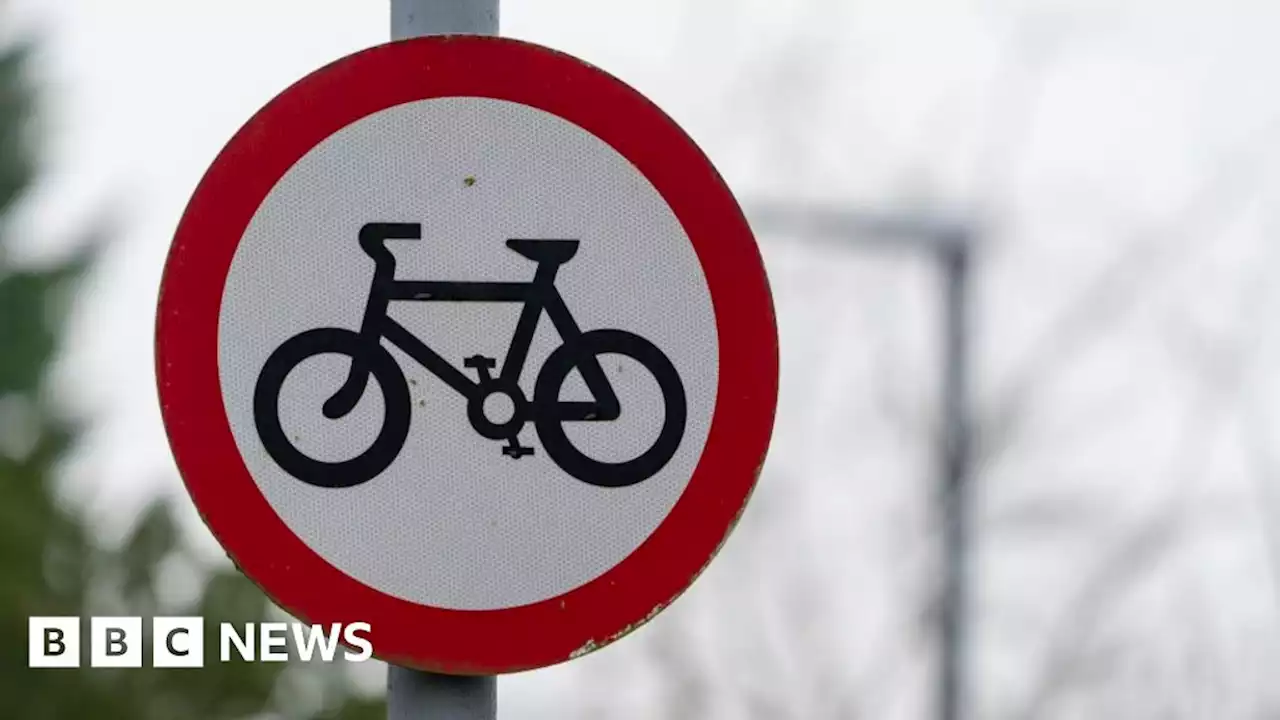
{"x": 1118, "y": 287}
{"x": 1218, "y": 367}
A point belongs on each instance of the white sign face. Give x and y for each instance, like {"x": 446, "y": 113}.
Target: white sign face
{"x": 509, "y": 475}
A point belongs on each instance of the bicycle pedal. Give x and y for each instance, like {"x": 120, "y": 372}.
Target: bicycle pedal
{"x": 517, "y": 452}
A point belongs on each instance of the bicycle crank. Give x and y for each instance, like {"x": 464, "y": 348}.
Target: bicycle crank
{"x": 479, "y": 406}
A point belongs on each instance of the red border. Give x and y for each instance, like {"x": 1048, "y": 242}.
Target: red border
{"x": 451, "y": 641}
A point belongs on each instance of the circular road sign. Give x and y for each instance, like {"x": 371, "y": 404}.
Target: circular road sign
{"x": 466, "y": 339}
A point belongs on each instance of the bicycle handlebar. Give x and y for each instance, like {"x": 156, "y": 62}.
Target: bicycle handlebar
{"x": 374, "y": 235}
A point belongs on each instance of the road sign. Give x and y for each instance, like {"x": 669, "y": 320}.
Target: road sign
{"x": 466, "y": 339}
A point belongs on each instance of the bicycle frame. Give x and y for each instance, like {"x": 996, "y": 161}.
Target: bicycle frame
{"x": 538, "y": 296}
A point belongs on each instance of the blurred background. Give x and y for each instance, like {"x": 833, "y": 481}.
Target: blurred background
{"x": 1084, "y": 207}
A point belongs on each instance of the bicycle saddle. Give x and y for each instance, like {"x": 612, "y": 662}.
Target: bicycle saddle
{"x": 545, "y": 251}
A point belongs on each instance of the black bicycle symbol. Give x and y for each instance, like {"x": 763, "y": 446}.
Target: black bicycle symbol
{"x": 546, "y": 411}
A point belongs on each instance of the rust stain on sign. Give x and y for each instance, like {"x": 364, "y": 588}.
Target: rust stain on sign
{"x": 587, "y": 647}
{"x": 591, "y": 645}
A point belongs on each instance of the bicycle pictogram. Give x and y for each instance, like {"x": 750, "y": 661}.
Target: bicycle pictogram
{"x": 545, "y": 410}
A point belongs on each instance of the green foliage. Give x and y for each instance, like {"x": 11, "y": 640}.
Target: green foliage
{"x": 52, "y": 563}
{"x": 16, "y": 162}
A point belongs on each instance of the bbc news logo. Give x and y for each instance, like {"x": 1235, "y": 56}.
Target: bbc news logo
{"x": 178, "y": 642}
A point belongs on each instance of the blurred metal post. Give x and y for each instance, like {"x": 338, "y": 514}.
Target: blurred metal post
{"x": 412, "y": 694}
{"x": 951, "y": 244}
{"x": 954, "y": 256}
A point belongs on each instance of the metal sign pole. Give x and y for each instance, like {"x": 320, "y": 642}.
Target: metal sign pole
{"x": 417, "y": 695}
{"x": 415, "y": 18}
{"x": 412, "y": 694}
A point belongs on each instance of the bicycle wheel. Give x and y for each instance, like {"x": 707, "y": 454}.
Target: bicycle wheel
{"x": 550, "y": 424}
{"x": 395, "y": 400}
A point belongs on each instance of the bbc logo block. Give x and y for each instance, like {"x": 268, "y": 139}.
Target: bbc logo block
{"x": 177, "y": 642}
{"x": 115, "y": 642}
{"x": 53, "y": 642}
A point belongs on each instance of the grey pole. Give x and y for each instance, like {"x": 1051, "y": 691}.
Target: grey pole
{"x": 955, "y": 471}
{"x": 415, "y": 18}
{"x": 951, "y": 243}
{"x": 417, "y": 695}
{"x": 412, "y": 694}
